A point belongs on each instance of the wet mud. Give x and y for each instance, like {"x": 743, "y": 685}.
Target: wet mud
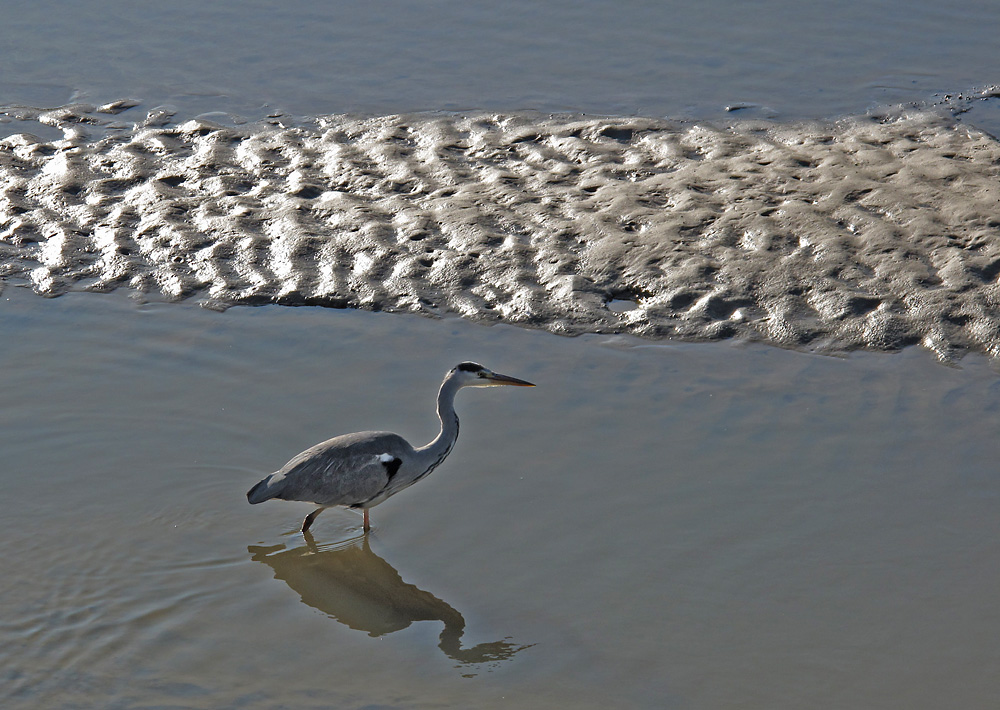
{"x": 870, "y": 232}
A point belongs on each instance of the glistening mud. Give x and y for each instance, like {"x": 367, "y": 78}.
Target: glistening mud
{"x": 872, "y": 232}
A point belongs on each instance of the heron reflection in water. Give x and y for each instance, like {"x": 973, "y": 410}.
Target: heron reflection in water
{"x": 353, "y": 585}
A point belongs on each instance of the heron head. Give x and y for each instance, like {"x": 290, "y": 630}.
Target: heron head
{"x": 471, "y": 374}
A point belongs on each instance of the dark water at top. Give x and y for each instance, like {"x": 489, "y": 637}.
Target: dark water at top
{"x": 797, "y": 59}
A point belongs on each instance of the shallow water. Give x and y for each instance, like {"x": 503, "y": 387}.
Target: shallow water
{"x": 654, "y": 526}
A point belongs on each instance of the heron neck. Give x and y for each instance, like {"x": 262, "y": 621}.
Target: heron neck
{"x": 441, "y": 446}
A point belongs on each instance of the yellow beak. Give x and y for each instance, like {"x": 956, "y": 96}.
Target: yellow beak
{"x": 507, "y": 380}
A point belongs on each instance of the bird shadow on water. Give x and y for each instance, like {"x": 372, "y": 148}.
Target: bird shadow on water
{"x": 351, "y": 584}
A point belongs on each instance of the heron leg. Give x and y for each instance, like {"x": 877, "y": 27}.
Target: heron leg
{"x": 368, "y": 525}
{"x": 307, "y": 523}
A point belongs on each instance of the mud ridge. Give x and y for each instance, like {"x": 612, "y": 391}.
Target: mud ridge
{"x": 874, "y": 232}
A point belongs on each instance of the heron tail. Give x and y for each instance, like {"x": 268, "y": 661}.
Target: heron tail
{"x": 266, "y": 489}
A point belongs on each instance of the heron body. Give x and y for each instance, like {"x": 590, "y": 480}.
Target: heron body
{"x": 363, "y": 469}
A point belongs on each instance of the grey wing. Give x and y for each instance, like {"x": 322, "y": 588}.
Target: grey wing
{"x": 347, "y": 470}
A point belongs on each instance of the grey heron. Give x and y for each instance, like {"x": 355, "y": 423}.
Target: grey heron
{"x": 363, "y": 469}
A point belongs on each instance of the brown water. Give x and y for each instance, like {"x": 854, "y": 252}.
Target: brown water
{"x": 681, "y": 526}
